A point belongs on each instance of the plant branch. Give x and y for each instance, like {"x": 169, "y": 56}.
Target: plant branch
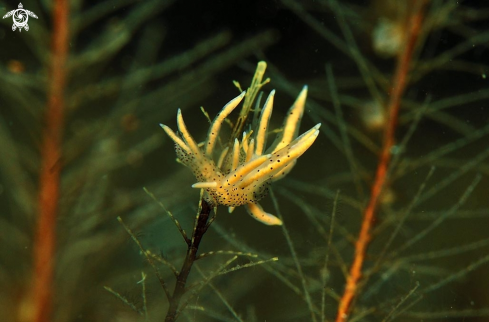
{"x": 200, "y": 227}
{"x": 44, "y": 243}
{"x": 397, "y": 91}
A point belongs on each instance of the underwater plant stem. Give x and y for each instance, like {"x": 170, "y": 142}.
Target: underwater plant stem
{"x": 397, "y": 91}
{"x": 200, "y": 228}
{"x": 45, "y": 235}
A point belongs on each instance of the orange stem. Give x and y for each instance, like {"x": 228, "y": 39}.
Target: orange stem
{"x": 364, "y": 238}
{"x": 45, "y": 238}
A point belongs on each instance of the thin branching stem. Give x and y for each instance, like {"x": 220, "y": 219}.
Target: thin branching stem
{"x": 175, "y": 221}
{"x": 145, "y": 303}
{"x": 123, "y": 299}
{"x": 148, "y": 256}
{"x": 200, "y": 228}
{"x": 343, "y": 131}
{"x": 49, "y": 179}
{"x": 297, "y": 263}
{"x": 326, "y": 260}
{"x": 403, "y": 218}
{"x": 226, "y": 252}
{"x": 195, "y": 289}
{"x": 401, "y": 302}
{"x": 222, "y": 298}
{"x": 436, "y": 223}
{"x": 364, "y": 238}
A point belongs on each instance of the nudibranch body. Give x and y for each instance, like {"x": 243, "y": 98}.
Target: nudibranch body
{"x": 244, "y": 171}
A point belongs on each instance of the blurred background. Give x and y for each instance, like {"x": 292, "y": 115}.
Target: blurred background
{"x": 131, "y": 64}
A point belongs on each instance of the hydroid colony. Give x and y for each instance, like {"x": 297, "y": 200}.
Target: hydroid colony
{"x": 244, "y": 172}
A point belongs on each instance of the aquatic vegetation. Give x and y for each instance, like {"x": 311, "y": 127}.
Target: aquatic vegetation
{"x": 79, "y": 92}
{"x": 404, "y": 140}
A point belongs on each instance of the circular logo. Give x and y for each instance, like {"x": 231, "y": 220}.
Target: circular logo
{"x": 20, "y": 18}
